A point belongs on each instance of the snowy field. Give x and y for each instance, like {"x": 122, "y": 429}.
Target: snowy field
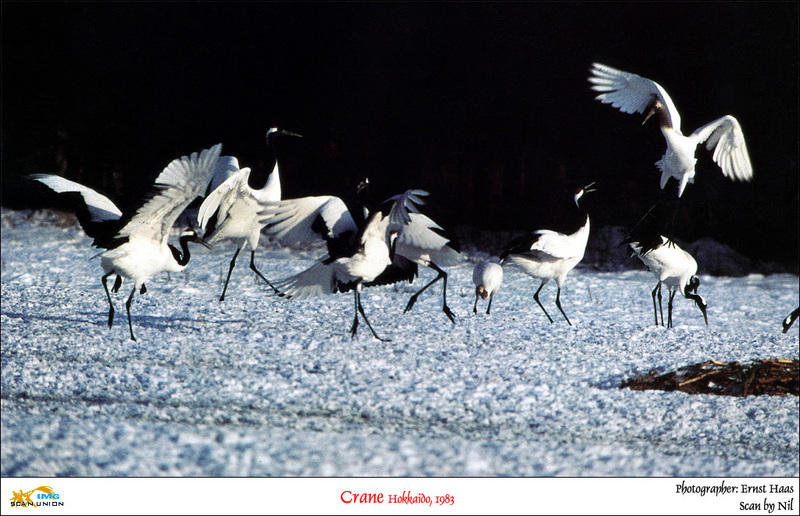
{"x": 260, "y": 386}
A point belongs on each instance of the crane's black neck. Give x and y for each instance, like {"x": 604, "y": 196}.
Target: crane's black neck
{"x": 182, "y": 256}
{"x": 347, "y": 243}
{"x": 700, "y": 302}
{"x": 690, "y": 292}
{"x": 575, "y": 218}
{"x": 361, "y": 200}
{"x": 259, "y": 175}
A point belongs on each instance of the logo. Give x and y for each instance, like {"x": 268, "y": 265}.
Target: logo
{"x": 46, "y": 497}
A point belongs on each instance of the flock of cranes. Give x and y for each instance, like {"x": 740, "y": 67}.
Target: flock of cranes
{"x": 377, "y": 244}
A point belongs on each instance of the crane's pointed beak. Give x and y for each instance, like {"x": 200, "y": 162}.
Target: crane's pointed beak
{"x": 701, "y": 304}
{"x": 652, "y": 110}
{"x": 277, "y": 130}
{"x": 200, "y": 241}
{"x": 289, "y": 133}
{"x": 703, "y": 309}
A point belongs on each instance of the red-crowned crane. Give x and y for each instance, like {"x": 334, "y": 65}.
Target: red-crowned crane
{"x": 232, "y": 208}
{"x": 546, "y": 254}
{"x": 671, "y": 265}
{"x": 631, "y": 93}
{"x": 487, "y": 277}
{"x": 136, "y": 244}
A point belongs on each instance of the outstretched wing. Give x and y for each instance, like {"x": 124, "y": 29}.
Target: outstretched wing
{"x": 217, "y": 205}
{"x": 630, "y": 93}
{"x": 97, "y": 215}
{"x": 419, "y": 238}
{"x": 400, "y": 269}
{"x": 317, "y": 280}
{"x": 99, "y": 208}
{"x": 226, "y": 167}
{"x": 178, "y": 185}
{"x": 399, "y": 207}
{"x": 422, "y": 239}
{"x": 725, "y": 136}
{"x": 307, "y": 219}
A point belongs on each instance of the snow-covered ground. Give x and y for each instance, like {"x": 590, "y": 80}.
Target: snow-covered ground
{"x": 261, "y": 386}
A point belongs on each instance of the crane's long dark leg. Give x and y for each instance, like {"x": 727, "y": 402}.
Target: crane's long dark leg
{"x": 536, "y": 297}
{"x": 230, "y": 270}
{"x": 253, "y": 268}
{"x": 488, "y": 308}
{"x": 117, "y": 284}
{"x": 420, "y": 291}
{"x": 475, "y": 306}
{"x": 110, "y": 304}
{"x": 128, "y": 307}
{"x": 354, "y": 327}
{"x": 558, "y": 304}
{"x": 364, "y": 315}
{"x": 669, "y": 308}
{"x": 657, "y": 290}
{"x": 445, "y": 308}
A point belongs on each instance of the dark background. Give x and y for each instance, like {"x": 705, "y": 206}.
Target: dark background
{"x": 486, "y": 105}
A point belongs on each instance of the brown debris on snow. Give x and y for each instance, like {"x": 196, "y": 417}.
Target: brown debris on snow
{"x": 775, "y": 377}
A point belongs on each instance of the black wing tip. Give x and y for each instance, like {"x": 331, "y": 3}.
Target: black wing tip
{"x": 452, "y": 242}
{"x": 519, "y": 245}
{"x": 211, "y": 225}
{"x": 401, "y": 270}
{"x": 646, "y": 234}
